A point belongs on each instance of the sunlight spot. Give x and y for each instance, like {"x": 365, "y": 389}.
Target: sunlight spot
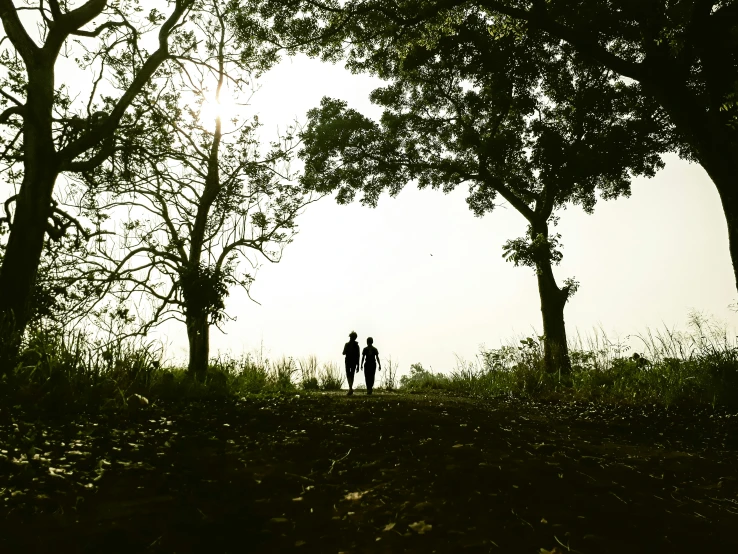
{"x": 225, "y": 109}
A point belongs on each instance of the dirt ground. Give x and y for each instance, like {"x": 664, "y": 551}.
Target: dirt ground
{"x": 389, "y": 473}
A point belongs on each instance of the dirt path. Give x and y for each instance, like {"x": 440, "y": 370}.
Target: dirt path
{"x": 390, "y": 473}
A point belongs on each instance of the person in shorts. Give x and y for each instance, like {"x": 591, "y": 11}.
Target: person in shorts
{"x": 351, "y": 351}
{"x": 370, "y": 362}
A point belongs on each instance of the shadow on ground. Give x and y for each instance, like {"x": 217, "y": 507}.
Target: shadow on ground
{"x": 388, "y": 473}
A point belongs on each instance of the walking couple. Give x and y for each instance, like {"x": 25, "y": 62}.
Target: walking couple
{"x": 369, "y": 362}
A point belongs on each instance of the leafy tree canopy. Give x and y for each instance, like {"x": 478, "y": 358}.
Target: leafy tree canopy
{"x": 530, "y": 121}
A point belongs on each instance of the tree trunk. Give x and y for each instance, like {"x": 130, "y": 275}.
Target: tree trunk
{"x": 198, "y": 333}
{"x": 722, "y": 167}
{"x": 553, "y": 300}
{"x": 714, "y": 143}
{"x": 32, "y": 211}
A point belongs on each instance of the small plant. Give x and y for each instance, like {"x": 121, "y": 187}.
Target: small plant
{"x": 330, "y": 377}
{"x": 253, "y": 374}
{"x": 389, "y": 375}
{"x": 282, "y": 373}
{"x": 309, "y": 373}
{"x": 420, "y": 378}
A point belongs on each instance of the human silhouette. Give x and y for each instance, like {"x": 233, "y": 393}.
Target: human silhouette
{"x": 369, "y": 361}
{"x": 351, "y": 351}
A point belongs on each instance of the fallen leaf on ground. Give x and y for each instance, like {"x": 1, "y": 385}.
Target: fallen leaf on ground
{"x": 420, "y": 527}
{"x": 389, "y": 527}
{"x": 141, "y": 399}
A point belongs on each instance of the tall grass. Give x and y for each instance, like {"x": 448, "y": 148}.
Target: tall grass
{"x": 331, "y": 376}
{"x": 309, "y": 373}
{"x": 698, "y": 366}
{"x": 75, "y": 371}
{"x": 58, "y": 371}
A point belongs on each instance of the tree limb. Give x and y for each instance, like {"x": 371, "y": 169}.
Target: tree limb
{"x": 17, "y": 33}
{"x": 103, "y": 154}
{"x": 110, "y": 124}
{"x": 101, "y": 28}
{"x": 66, "y": 23}
{"x": 10, "y": 97}
{"x": 6, "y": 217}
{"x": 12, "y": 110}
{"x": 584, "y": 42}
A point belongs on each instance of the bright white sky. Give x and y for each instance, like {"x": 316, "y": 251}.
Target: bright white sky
{"x": 646, "y": 261}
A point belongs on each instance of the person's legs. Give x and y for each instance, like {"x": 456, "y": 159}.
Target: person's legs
{"x": 369, "y": 374}
{"x": 350, "y": 368}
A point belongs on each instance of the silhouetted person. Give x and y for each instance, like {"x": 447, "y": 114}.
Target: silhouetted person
{"x": 369, "y": 361}
{"x": 351, "y": 351}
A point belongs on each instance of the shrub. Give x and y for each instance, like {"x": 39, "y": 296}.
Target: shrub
{"x": 309, "y": 373}
{"x": 330, "y": 377}
{"x": 280, "y": 376}
{"x": 422, "y": 379}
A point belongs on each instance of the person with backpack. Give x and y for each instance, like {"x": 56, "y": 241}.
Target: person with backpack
{"x": 369, "y": 362}
{"x": 351, "y": 351}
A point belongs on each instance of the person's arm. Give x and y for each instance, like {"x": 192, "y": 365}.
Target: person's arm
{"x": 363, "y": 355}
{"x": 379, "y": 364}
{"x": 344, "y": 349}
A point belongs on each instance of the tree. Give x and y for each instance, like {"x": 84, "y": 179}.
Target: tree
{"x": 683, "y": 53}
{"x": 49, "y": 133}
{"x": 61, "y": 295}
{"x": 198, "y": 197}
{"x": 539, "y": 128}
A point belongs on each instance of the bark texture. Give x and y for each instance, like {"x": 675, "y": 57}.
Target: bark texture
{"x": 553, "y": 300}
{"x": 198, "y": 335}
{"x": 32, "y": 211}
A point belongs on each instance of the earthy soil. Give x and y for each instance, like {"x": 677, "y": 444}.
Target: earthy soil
{"x": 388, "y": 473}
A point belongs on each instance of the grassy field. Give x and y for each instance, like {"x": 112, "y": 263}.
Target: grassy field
{"x": 694, "y": 368}
{"x": 105, "y": 449}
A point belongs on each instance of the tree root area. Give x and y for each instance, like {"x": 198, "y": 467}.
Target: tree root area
{"x": 388, "y": 473}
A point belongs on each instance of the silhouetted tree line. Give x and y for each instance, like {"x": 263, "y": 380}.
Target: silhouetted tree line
{"x": 541, "y": 104}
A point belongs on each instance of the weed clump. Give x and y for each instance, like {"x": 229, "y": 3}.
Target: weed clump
{"x": 330, "y": 377}
{"x": 309, "y": 373}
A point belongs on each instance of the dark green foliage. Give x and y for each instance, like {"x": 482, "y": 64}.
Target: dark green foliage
{"x": 205, "y": 287}
{"x": 310, "y": 384}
